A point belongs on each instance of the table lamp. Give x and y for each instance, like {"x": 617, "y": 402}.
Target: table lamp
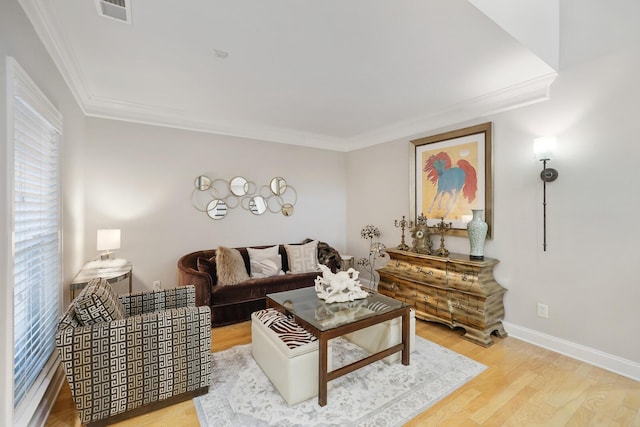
{"x": 108, "y": 239}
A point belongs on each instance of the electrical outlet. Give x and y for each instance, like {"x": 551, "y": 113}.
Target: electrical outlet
{"x": 543, "y": 310}
{"x": 157, "y": 285}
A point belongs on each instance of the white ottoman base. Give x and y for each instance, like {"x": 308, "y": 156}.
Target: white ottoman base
{"x": 384, "y": 335}
{"x": 293, "y": 372}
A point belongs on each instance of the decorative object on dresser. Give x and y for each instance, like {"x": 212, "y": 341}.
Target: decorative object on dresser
{"x": 455, "y": 291}
{"x": 452, "y": 174}
{"x": 421, "y": 236}
{"x": 376, "y": 250}
{"x": 477, "y": 230}
{"x": 442, "y": 229}
{"x": 403, "y": 223}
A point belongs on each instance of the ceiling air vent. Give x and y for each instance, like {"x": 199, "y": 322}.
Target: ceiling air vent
{"x": 119, "y": 10}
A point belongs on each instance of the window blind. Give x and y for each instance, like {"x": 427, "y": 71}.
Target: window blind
{"x": 36, "y": 238}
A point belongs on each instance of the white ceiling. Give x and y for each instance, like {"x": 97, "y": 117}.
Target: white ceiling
{"x": 336, "y": 74}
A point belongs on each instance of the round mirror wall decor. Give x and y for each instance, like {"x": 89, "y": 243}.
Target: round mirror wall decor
{"x": 287, "y": 209}
{"x": 278, "y": 186}
{"x": 257, "y": 205}
{"x": 239, "y": 186}
{"x": 216, "y": 197}
{"x": 217, "y": 209}
{"x": 203, "y": 183}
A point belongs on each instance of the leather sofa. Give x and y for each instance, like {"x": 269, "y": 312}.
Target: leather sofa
{"x": 233, "y": 304}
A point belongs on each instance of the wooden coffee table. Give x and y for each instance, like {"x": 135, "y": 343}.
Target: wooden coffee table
{"x": 327, "y": 321}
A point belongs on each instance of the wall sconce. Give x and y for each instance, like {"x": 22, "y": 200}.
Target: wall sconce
{"x": 108, "y": 239}
{"x": 544, "y": 148}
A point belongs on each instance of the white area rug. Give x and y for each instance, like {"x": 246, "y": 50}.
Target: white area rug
{"x": 376, "y": 395}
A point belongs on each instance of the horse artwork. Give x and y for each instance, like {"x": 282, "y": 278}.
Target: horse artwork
{"x": 452, "y": 176}
{"x": 450, "y": 182}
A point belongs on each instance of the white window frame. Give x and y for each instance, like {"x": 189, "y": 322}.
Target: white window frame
{"x": 20, "y": 84}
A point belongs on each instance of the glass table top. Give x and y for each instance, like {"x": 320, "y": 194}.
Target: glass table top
{"x": 305, "y": 304}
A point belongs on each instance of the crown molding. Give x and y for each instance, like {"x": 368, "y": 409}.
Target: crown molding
{"x": 516, "y": 96}
{"x": 62, "y": 58}
{"x": 522, "y": 94}
{"x": 525, "y": 93}
{"x": 169, "y": 117}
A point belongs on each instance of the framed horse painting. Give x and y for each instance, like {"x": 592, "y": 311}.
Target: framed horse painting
{"x": 452, "y": 175}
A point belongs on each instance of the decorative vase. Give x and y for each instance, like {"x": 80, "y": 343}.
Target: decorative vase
{"x": 477, "y": 229}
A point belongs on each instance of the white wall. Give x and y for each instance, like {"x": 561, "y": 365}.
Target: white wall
{"x": 19, "y": 40}
{"x": 587, "y": 276}
{"x": 140, "y": 178}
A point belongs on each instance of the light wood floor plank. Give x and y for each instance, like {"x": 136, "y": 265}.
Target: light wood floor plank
{"x": 523, "y": 385}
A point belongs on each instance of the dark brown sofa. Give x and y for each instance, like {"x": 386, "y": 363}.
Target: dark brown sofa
{"x": 233, "y": 304}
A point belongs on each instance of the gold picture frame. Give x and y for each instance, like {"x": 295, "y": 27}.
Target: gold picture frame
{"x": 452, "y": 174}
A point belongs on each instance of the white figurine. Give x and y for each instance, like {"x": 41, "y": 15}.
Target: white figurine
{"x": 339, "y": 287}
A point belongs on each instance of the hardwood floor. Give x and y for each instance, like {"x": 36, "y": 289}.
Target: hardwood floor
{"x": 523, "y": 385}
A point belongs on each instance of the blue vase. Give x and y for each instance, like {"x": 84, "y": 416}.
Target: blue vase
{"x": 477, "y": 230}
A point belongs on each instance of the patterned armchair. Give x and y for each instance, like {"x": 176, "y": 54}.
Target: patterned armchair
{"x": 126, "y": 355}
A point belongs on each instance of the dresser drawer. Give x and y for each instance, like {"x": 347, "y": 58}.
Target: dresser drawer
{"x": 433, "y": 273}
{"x": 463, "y": 278}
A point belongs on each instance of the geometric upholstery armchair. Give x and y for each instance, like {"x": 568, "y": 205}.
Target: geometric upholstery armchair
{"x": 126, "y": 355}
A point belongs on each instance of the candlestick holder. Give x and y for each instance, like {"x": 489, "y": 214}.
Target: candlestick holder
{"x": 403, "y": 223}
{"x": 442, "y": 228}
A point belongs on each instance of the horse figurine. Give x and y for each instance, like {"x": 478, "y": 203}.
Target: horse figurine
{"x": 339, "y": 287}
{"x": 450, "y": 180}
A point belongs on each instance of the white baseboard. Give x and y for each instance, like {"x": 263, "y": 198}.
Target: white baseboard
{"x": 627, "y": 368}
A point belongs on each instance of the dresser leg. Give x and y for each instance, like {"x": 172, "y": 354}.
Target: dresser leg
{"x": 483, "y": 337}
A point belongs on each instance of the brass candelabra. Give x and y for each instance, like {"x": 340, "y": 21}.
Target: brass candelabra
{"x": 442, "y": 229}
{"x": 403, "y": 223}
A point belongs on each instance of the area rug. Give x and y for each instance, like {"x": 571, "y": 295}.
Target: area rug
{"x": 379, "y": 394}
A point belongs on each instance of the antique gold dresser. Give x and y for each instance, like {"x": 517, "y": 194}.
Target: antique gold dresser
{"x": 453, "y": 290}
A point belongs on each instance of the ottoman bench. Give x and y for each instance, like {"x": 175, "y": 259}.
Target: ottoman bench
{"x": 384, "y": 335}
{"x": 287, "y": 354}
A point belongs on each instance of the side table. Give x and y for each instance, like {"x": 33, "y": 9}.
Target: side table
{"x": 112, "y": 274}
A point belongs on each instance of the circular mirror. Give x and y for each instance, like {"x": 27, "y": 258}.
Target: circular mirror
{"x": 217, "y": 209}
{"x": 239, "y": 186}
{"x": 203, "y": 183}
{"x": 200, "y": 199}
{"x": 278, "y": 185}
{"x": 257, "y": 205}
{"x": 287, "y": 209}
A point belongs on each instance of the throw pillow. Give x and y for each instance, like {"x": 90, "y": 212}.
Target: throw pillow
{"x": 207, "y": 265}
{"x": 265, "y": 262}
{"x": 230, "y": 266}
{"x": 266, "y": 267}
{"x": 303, "y": 258}
{"x": 98, "y": 303}
{"x": 264, "y": 253}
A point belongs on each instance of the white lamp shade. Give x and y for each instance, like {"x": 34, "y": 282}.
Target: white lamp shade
{"x": 108, "y": 239}
{"x": 544, "y": 147}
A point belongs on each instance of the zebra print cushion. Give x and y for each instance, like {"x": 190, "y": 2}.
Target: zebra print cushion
{"x": 292, "y": 334}
{"x": 377, "y": 306}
